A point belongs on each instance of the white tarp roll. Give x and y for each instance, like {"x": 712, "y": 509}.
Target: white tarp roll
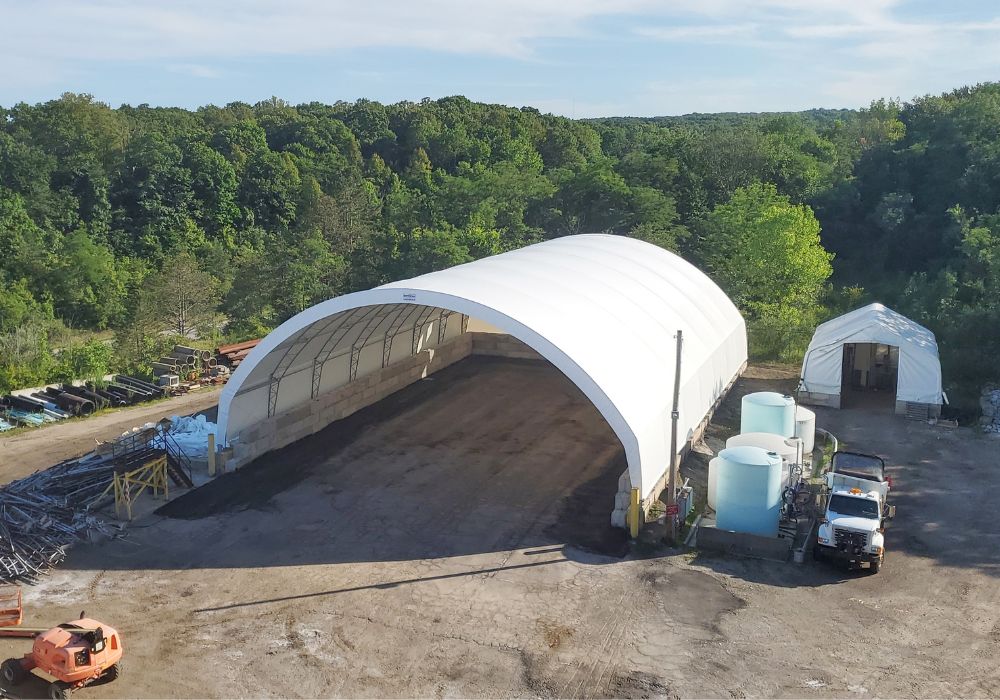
{"x": 191, "y": 435}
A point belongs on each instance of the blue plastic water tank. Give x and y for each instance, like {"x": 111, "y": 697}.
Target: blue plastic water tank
{"x": 748, "y": 491}
{"x": 768, "y": 412}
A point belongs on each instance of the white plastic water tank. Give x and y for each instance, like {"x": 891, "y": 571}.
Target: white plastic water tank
{"x": 713, "y": 481}
{"x": 805, "y": 428}
{"x": 768, "y": 412}
{"x": 786, "y": 448}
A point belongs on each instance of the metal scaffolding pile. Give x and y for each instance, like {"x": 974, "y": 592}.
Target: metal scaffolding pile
{"x": 42, "y": 515}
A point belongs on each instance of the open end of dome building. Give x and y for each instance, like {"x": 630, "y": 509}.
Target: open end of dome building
{"x": 603, "y": 309}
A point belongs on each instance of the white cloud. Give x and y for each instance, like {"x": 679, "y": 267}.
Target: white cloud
{"x": 145, "y": 29}
{"x": 819, "y": 52}
{"x": 838, "y": 52}
{"x": 195, "y": 70}
{"x": 700, "y": 32}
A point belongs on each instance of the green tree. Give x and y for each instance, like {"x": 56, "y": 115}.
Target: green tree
{"x": 90, "y": 360}
{"x": 25, "y": 359}
{"x": 87, "y": 290}
{"x": 18, "y": 305}
{"x": 183, "y": 297}
{"x": 766, "y": 253}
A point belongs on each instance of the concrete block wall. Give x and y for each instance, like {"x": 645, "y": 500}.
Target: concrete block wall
{"x": 502, "y": 345}
{"x": 311, "y": 417}
{"x": 622, "y": 499}
{"x": 933, "y": 409}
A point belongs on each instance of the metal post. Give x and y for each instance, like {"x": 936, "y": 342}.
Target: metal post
{"x": 211, "y": 454}
{"x": 633, "y": 513}
{"x": 674, "y": 416}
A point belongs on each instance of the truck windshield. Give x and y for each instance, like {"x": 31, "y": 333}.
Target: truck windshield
{"x": 859, "y": 465}
{"x": 855, "y": 507}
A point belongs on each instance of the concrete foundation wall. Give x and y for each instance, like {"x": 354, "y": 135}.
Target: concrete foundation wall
{"x": 816, "y": 399}
{"x": 285, "y": 428}
{"x": 833, "y": 401}
{"x": 933, "y": 409}
{"x": 743, "y": 544}
{"x": 502, "y": 345}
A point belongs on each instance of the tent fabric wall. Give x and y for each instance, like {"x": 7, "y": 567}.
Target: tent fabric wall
{"x": 604, "y": 309}
{"x": 919, "y": 376}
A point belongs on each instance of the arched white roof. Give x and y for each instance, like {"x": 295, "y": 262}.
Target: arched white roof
{"x": 604, "y": 309}
{"x": 919, "y": 373}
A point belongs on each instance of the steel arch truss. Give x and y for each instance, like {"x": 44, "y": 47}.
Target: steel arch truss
{"x": 329, "y": 348}
{"x": 389, "y": 319}
{"x": 294, "y": 351}
{"x": 423, "y": 320}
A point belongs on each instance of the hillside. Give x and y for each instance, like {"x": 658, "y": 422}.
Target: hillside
{"x": 242, "y": 215}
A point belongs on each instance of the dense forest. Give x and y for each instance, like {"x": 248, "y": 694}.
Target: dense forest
{"x": 139, "y": 222}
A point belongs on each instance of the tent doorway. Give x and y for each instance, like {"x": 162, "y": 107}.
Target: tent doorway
{"x": 870, "y": 375}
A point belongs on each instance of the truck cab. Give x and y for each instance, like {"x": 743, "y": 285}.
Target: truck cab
{"x": 852, "y": 529}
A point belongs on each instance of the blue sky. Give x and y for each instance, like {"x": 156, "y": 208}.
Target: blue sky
{"x": 580, "y": 58}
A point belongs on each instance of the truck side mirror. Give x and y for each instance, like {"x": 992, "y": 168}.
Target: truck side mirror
{"x": 890, "y": 512}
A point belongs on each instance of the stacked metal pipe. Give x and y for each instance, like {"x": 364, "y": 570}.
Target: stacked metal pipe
{"x": 56, "y": 403}
{"x": 182, "y": 360}
{"x": 232, "y": 355}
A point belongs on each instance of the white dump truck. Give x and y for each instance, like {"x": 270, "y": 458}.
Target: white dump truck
{"x": 852, "y": 529}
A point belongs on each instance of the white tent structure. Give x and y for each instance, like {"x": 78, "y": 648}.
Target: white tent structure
{"x": 603, "y": 309}
{"x": 873, "y": 347}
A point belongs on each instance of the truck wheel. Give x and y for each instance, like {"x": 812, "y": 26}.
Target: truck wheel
{"x": 876, "y": 566}
{"x": 114, "y": 672}
{"x": 59, "y": 691}
{"x": 13, "y": 672}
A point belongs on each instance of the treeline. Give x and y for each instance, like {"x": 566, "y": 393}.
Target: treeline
{"x": 266, "y": 209}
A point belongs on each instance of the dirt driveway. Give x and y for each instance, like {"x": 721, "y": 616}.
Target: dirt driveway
{"x": 32, "y": 450}
{"x": 452, "y": 541}
{"x": 927, "y": 626}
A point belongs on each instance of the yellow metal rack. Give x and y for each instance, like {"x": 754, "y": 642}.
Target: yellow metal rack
{"x": 128, "y": 486}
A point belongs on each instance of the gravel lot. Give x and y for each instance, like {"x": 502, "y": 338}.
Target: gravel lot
{"x": 452, "y": 541}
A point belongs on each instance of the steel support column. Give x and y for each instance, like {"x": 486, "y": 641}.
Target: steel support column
{"x": 394, "y": 327}
{"x": 331, "y": 343}
{"x": 418, "y": 329}
{"x": 443, "y": 325}
{"x": 359, "y": 343}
